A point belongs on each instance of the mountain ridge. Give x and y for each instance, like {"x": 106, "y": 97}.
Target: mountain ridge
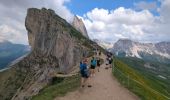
{"x": 103, "y": 44}
{"x": 10, "y": 51}
{"x": 127, "y": 47}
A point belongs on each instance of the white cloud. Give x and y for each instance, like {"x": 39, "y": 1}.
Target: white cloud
{"x": 8, "y": 33}
{"x": 108, "y": 25}
{"x": 127, "y": 23}
{"x": 13, "y": 13}
{"x": 95, "y": 13}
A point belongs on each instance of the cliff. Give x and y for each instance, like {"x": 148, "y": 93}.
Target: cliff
{"x": 55, "y": 48}
{"x": 79, "y": 25}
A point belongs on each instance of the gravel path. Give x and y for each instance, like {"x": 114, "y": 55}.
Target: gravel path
{"x": 104, "y": 87}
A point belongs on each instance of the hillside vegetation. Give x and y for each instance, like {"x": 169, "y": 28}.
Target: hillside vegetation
{"x": 58, "y": 87}
{"x": 144, "y": 87}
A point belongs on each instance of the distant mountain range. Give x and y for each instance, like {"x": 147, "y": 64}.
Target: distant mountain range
{"x": 103, "y": 44}
{"x": 146, "y": 51}
{"x": 10, "y": 52}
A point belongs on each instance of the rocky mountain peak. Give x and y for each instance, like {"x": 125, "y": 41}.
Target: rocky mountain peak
{"x": 103, "y": 44}
{"x": 148, "y": 51}
{"x": 79, "y": 25}
{"x": 49, "y": 34}
{"x": 163, "y": 47}
{"x": 123, "y": 44}
{"x": 57, "y": 47}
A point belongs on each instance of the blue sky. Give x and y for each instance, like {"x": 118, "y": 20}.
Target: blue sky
{"x": 107, "y": 20}
{"x": 110, "y": 20}
{"x": 80, "y": 7}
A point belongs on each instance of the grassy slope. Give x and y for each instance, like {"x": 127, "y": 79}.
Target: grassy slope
{"x": 161, "y": 85}
{"x": 143, "y": 88}
{"x": 59, "y": 87}
{"x": 10, "y": 80}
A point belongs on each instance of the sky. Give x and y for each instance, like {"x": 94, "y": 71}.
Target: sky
{"x": 106, "y": 20}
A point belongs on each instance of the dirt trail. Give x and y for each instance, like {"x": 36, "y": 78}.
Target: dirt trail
{"x": 104, "y": 87}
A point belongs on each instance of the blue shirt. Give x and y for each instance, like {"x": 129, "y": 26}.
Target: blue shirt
{"x": 93, "y": 62}
{"x": 83, "y": 66}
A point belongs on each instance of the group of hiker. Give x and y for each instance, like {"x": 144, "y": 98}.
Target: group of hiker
{"x": 109, "y": 60}
{"x": 87, "y": 72}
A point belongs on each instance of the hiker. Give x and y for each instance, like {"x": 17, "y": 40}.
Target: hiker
{"x": 95, "y": 51}
{"x": 110, "y": 60}
{"x": 84, "y": 73}
{"x": 93, "y": 66}
{"x": 100, "y": 53}
{"x": 98, "y": 64}
{"x": 107, "y": 62}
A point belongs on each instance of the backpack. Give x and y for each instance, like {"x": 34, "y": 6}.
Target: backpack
{"x": 93, "y": 62}
{"x": 82, "y": 66}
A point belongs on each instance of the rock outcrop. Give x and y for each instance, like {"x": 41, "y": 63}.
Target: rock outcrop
{"x": 79, "y": 25}
{"x": 50, "y": 35}
{"x": 56, "y": 47}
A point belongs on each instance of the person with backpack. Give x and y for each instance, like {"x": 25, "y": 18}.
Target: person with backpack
{"x": 110, "y": 61}
{"x": 93, "y": 66}
{"x": 98, "y": 64}
{"x": 84, "y": 73}
{"x": 107, "y": 62}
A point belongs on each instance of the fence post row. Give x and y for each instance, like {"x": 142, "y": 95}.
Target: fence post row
{"x": 137, "y": 82}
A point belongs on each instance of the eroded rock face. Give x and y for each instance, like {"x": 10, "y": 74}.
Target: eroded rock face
{"x": 79, "y": 25}
{"x": 47, "y": 33}
{"x": 56, "y": 47}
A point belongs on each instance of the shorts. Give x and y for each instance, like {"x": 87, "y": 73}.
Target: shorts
{"x": 92, "y": 67}
{"x": 98, "y": 65}
{"x": 84, "y": 74}
{"x": 107, "y": 62}
{"x": 110, "y": 62}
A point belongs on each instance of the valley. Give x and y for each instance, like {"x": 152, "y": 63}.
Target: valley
{"x": 10, "y": 52}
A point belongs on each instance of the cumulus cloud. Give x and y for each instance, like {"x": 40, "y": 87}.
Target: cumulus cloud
{"x": 104, "y": 24}
{"x": 13, "y": 13}
{"x": 8, "y": 33}
{"x": 127, "y": 23}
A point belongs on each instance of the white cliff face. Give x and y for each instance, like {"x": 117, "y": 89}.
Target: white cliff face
{"x": 79, "y": 25}
{"x": 135, "y": 49}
